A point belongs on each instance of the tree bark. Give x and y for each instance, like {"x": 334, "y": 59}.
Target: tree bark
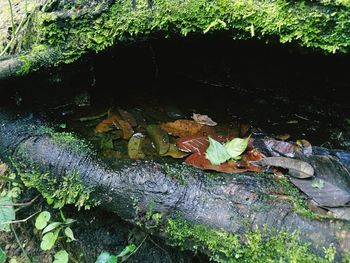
{"x": 235, "y": 204}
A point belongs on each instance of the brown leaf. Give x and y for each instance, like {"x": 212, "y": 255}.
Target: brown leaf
{"x": 276, "y": 147}
{"x": 181, "y": 128}
{"x": 126, "y": 128}
{"x": 3, "y": 168}
{"x": 199, "y": 161}
{"x": 109, "y": 124}
{"x": 127, "y": 116}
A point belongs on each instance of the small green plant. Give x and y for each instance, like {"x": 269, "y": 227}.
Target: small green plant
{"x": 51, "y": 231}
{"x": 106, "y": 257}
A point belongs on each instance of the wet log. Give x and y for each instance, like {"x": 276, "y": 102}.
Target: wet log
{"x": 154, "y": 196}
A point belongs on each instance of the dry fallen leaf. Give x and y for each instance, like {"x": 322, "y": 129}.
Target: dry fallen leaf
{"x": 181, "y": 128}
{"x": 127, "y": 116}
{"x": 203, "y": 119}
{"x": 193, "y": 144}
{"x": 115, "y": 122}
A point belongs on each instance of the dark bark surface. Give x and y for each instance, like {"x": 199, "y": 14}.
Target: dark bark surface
{"x": 230, "y": 203}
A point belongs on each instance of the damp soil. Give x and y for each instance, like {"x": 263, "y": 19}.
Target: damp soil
{"x": 272, "y": 90}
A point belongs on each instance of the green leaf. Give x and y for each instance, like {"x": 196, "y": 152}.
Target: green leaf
{"x": 2, "y": 255}
{"x": 51, "y": 226}
{"x": 69, "y": 221}
{"x": 236, "y": 147}
{"x": 317, "y": 183}
{"x": 69, "y": 233}
{"x": 216, "y": 152}
{"x": 61, "y": 257}
{"x": 7, "y": 213}
{"x": 49, "y": 240}
{"x": 127, "y": 250}
{"x": 42, "y": 219}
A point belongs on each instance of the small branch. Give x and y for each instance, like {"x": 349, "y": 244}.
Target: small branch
{"x": 12, "y": 19}
{"x": 20, "y": 204}
{"x": 132, "y": 253}
{"x": 20, "y": 220}
{"x": 20, "y": 245}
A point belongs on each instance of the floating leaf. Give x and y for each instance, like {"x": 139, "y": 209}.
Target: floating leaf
{"x": 69, "y": 233}
{"x": 61, "y": 257}
{"x": 193, "y": 144}
{"x": 42, "y": 219}
{"x": 175, "y": 152}
{"x": 236, "y": 147}
{"x": 181, "y": 128}
{"x": 329, "y": 196}
{"x": 216, "y": 152}
{"x": 49, "y": 240}
{"x": 159, "y": 138}
{"x": 127, "y": 116}
{"x": 135, "y": 147}
{"x": 317, "y": 183}
{"x": 203, "y": 119}
{"x": 199, "y": 161}
{"x": 7, "y": 213}
{"x": 297, "y": 168}
{"x": 109, "y": 124}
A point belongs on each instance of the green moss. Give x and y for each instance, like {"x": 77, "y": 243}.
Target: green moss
{"x": 258, "y": 246}
{"x": 318, "y": 24}
{"x": 69, "y": 189}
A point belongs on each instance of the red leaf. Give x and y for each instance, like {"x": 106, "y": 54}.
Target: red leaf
{"x": 193, "y": 144}
{"x": 199, "y": 161}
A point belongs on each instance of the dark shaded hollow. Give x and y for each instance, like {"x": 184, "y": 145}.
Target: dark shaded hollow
{"x": 200, "y": 74}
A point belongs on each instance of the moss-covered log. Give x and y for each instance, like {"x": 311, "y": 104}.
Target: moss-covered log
{"x": 223, "y": 216}
{"x": 72, "y": 28}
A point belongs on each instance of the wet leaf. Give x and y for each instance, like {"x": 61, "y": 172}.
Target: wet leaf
{"x": 199, "y": 161}
{"x": 126, "y": 128}
{"x": 236, "y": 147}
{"x": 341, "y": 212}
{"x": 7, "y": 213}
{"x": 181, "y": 128}
{"x": 42, "y": 220}
{"x": 159, "y": 138}
{"x": 297, "y": 168}
{"x": 306, "y": 147}
{"x": 174, "y": 152}
{"x": 127, "y": 116}
{"x": 278, "y": 148}
{"x": 317, "y": 183}
{"x": 109, "y": 124}
{"x": 203, "y": 119}
{"x": 329, "y": 196}
{"x": 61, "y": 257}
{"x": 216, "y": 152}
{"x": 193, "y": 144}
{"x": 135, "y": 147}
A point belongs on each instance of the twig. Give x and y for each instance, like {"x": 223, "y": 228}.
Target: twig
{"x": 12, "y": 19}
{"x": 155, "y": 243}
{"x": 20, "y": 220}
{"x": 20, "y": 245}
{"x": 14, "y": 36}
{"x": 20, "y": 204}
{"x": 132, "y": 253}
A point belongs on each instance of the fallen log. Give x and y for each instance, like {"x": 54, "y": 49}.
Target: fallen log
{"x": 222, "y": 215}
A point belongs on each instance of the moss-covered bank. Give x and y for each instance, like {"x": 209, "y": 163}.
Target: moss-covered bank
{"x": 66, "y": 31}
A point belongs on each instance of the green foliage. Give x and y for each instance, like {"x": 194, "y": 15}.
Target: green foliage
{"x": 7, "y": 213}
{"x": 105, "y": 257}
{"x": 258, "y": 246}
{"x": 216, "y": 152}
{"x": 319, "y": 24}
{"x": 67, "y": 190}
{"x": 2, "y": 256}
{"x": 51, "y": 232}
{"x": 61, "y": 257}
